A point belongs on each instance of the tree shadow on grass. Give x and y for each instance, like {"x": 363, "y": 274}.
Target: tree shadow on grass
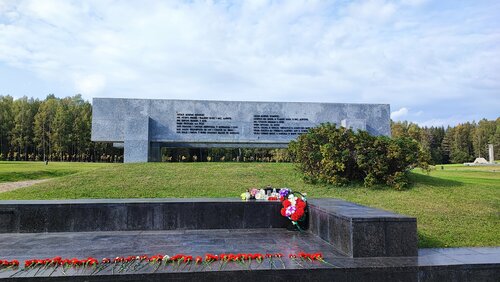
{"x": 426, "y": 241}
{"x": 428, "y": 180}
{"x": 32, "y": 175}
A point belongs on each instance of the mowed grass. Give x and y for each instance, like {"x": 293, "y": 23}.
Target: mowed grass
{"x": 457, "y": 206}
{"x": 19, "y": 171}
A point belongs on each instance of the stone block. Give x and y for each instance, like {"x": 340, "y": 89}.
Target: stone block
{"x": 368, "y": 239}
{"x": 7, "y": 220}
{"x": 401, "y": 238}
{"x": 359, "y": 231}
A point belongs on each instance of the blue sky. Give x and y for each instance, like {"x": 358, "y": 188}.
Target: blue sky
{"x": 434, "y": 62}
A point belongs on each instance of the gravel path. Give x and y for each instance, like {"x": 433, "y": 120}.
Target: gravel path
{"x": 9, "y": 186}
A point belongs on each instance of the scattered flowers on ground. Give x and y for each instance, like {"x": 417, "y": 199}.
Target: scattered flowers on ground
{"x": 92, "y": 266}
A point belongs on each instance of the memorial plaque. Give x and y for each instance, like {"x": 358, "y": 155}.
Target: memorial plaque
{"x": 144, "y": 126}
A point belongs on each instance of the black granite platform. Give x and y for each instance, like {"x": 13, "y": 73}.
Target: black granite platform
{"x": 463, "y": 264}
{"x": 360, "y": 243}
{"x": 354, "y": 230}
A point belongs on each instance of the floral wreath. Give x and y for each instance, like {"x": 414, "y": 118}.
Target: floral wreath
{"x": 293, "y": 207}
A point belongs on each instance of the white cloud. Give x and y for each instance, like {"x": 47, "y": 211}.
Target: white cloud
{"x": 399, "y": 113}
{"x": 90, "y": 84}
{"x": 437, "y": 122}
{"x": 372, "y": 10}
{"x": 414, "y": 2}
{"x": 409, "y": 53}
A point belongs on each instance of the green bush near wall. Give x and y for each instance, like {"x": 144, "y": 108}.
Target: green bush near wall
{"x": 339, "y": 156}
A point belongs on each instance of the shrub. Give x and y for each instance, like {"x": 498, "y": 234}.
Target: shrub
{"x": 339, "y": 156}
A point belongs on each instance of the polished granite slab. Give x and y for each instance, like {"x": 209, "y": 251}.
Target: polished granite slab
{"x": 360, "y": 231}
{"x": 87, "y": 215}
{"x": 121, "y": 201}
{"x": 199, "y": 242}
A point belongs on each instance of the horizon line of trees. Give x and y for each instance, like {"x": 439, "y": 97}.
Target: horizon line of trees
{"x": 458, "y": 144}
{"x": 53, "y": 129}
{"x": 59, "y": 129}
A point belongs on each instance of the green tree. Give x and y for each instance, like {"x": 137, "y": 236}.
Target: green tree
{"x": 44, "y": 125}
{"x": 82, "y": 129}
{"x": 461, "y": 145}
{"x": 496, "y": 139}
{"x": 436, "y": 150}
{"x": 61, "y": 132}
{"x": 24, "y": 110}
{"x": 484, "y": 134}
{"x": 6, "y": 124}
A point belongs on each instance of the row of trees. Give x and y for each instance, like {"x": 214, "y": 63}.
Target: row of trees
{"x": 458, "y": 144}
{"x": 52, "y": 129}
{"x": 225, "y": 155}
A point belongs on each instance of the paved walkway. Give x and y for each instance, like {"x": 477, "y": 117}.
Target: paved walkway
{"x": 9, "y": 186}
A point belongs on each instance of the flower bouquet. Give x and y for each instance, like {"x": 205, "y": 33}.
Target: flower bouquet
{"x": 267, "y": 194}
{"x": 294, "y": 208}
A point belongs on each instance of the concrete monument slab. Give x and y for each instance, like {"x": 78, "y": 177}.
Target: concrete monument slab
{"x": 144, "y": 126}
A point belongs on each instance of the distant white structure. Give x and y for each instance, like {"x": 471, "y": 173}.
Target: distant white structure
{"x": 483, "y": 161}
{"x": 492, "y": 155}
{"x": 480, "y": 161}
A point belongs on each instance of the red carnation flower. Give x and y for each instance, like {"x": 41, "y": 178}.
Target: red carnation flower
{"x": 301, "y": 204}
{"x": 257, "y": 256}
{"x": 317, "y": 256}
{"x": 299, "y": 212}
{"x": 283, "y": 212}
{"x": 176, "y": 257}
{"x": 143, "y": 257}
{"x": 286, "y": 203}
{"x": 297, "y": 215}
{"x": 92, "y": 262}
{"x": 210, "y": 257}
{"x": 188, "y": 259}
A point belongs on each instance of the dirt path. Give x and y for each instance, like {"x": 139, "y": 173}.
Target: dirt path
{"x": 9, "y": 186}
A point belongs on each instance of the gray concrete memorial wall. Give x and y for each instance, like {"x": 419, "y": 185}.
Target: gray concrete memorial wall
{"x": 145, "y": 125}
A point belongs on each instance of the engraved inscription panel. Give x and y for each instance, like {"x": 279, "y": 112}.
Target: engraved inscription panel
{"x": 278, "y": 125}
{"x": 189, "y": 123}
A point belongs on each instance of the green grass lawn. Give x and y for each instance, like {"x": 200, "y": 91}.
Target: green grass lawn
{"x": 19, "y": 171}
{"x": 457, "y": 206}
